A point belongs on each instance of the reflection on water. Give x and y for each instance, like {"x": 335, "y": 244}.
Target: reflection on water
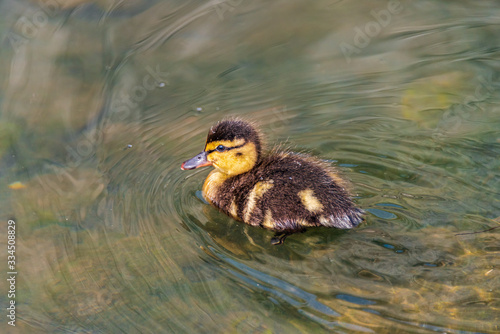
{"x": 101, "y": 101}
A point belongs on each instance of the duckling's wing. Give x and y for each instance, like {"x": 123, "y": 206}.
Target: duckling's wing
{"x": 303, "y": 194}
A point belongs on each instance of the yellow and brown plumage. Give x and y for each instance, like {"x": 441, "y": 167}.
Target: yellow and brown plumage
{"x": 282, "y": 191}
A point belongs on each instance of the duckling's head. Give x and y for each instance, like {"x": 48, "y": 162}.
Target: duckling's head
{"x": 233, "y": 147}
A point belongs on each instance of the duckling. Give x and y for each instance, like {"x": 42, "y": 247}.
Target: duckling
{"x": 282, "y": 191}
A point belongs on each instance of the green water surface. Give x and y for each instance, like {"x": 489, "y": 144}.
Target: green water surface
{"x": 100, "y": 102}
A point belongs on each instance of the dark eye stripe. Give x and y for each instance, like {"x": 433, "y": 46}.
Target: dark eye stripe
{"x": 227, "y": 148}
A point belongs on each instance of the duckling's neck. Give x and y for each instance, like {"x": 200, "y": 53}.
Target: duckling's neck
{"x": 212, "y": 184}
{"x": 242, "y": 164}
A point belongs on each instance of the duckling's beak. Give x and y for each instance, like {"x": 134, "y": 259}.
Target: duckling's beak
{"x": 198, "y": 161}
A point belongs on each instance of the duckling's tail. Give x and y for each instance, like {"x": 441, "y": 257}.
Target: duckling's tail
{"x": 349, "y": 220}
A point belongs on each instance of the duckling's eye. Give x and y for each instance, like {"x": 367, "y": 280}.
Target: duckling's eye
{"x": 220, "y": 148}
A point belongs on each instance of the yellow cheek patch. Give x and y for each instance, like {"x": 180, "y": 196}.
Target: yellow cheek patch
{"x": 227, "y": 143}
{"x": 235, "y": 161}
{"x": 257, "y": 192}
{"x": 310, "y": 202}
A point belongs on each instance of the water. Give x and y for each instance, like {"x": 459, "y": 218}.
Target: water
{"x": 101, "y": 102}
